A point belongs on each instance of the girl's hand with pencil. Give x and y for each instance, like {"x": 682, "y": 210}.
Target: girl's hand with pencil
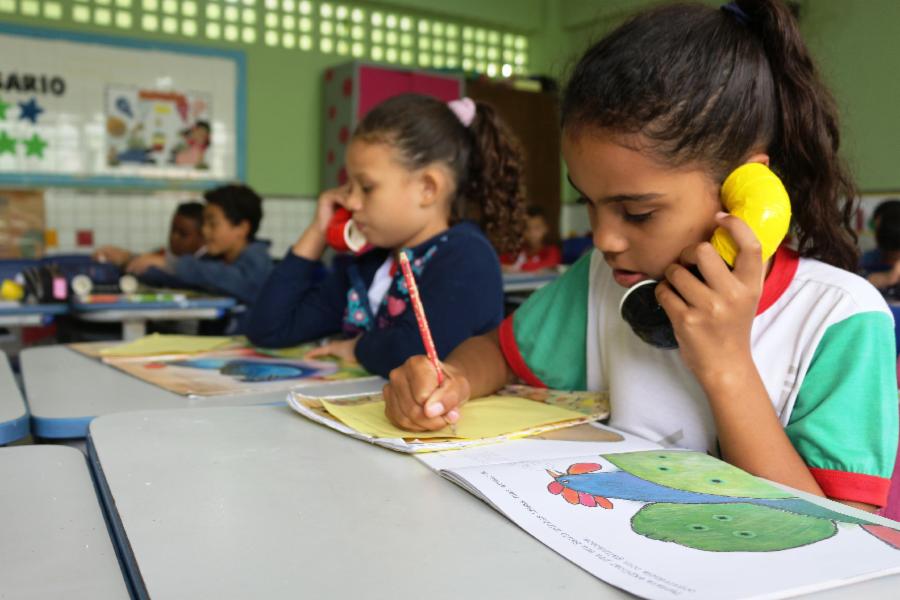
{"x": 428, "y": 412}
{"x": 414, "y": 401}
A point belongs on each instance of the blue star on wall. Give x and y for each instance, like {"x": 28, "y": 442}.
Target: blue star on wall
{"x": 29, "y": 110}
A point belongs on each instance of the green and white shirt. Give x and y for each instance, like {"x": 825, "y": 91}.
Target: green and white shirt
{"x": 822, "y": 340}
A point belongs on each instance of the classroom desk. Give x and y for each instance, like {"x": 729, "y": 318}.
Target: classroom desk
{"x": 257, "y": 502}
{"x": 13, "y": 413}
{"x": 25, "y": 315}
{"x": 527, "y": 282}
{"x": 54, "y": 542}
{"x": 66, "y": 390}
{"x": 134, "y": 315}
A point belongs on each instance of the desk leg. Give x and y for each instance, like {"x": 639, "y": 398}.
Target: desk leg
{"x": 132, "y": 330}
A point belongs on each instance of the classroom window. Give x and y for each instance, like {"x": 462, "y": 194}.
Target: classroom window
{"x": 123, "y": 20}
{"x": 30, "y": 8}
{"x": 352, "y": 29}
{"x": 53, "y": 10}
{"x": 149, "y": 23}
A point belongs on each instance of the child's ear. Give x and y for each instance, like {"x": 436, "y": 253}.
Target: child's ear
{"x": 244, "y": 226}
{"x": 434, "y": 183}
{"x": 758, "y": 157}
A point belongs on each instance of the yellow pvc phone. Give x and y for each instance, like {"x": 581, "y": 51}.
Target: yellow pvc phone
{"x": 751, "y": 192}
{"x": 754, "y": 193}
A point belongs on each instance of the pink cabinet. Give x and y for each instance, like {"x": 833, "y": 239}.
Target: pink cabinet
{"x": 352, "y": 89}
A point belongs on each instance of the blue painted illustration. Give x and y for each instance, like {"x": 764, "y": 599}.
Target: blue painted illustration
{"x": 699, "y": 502}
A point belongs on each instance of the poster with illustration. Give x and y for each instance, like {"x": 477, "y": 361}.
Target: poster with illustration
{"x": 158, "y": 128}
{"x": 234, "y": 371}
{"x": 102, "y": 113}
{"x": 678, "y": 524}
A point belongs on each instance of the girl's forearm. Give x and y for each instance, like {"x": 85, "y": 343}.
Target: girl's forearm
{"x": 482, "y": 363}
{"x": 750, "y": 435}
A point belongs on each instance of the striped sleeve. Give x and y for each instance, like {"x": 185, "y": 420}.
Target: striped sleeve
{"x": 544, "y": 341}
{"x": 845, "y": 420}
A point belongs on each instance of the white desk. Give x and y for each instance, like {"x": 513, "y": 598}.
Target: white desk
{"x": 256, "y": 502}
{"x": 54, "y": 542}
{"x": 13, "y": 413}
{"x": 25, "y": 315}
{"x": 66, "y": 390}
{"x": 135, "y": 315}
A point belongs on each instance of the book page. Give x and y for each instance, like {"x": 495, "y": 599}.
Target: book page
{"x": 680, "y": 524}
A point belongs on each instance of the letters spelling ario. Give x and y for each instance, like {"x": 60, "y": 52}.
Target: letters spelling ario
{"x": 31, "y": 83}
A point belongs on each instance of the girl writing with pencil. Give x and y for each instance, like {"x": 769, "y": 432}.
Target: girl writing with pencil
{"x": 785, "y": 365}
{"x": 424, "y": 176}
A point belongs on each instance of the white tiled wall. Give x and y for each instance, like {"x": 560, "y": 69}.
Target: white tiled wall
{"x": 284, "y": 219}
{"x": 139, "y": 221}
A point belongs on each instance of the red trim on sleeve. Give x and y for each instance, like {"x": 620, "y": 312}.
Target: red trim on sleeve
{"x": 513, "y": 357}
{"x": 784, "y": 267}
{"x": 856, "y": 487}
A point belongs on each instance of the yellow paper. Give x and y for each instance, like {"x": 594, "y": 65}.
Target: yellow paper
{"x": 487, "y": 417}
{"x": 156, "y": 343}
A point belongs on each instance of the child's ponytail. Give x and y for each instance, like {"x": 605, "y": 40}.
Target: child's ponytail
{"x": 495, "y": 188}
{"x": 804, "y": 148}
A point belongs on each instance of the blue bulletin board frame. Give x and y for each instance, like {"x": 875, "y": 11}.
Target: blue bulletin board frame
{"x": 131, "y": 181}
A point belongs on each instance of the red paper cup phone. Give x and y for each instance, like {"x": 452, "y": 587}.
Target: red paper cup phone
{"x": 342, "y": 234}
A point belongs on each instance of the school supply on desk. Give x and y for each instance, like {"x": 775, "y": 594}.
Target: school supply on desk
{"x": 419, "y": 310}
{"x": 137, "y": 298}
{"x": 82, "y": 285}
{"x": 422, "y": 322}
{"x": 664, "y": 523}
{"x": 513, "y": 412}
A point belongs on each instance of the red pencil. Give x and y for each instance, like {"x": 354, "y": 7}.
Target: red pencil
{"x": 424, "y": 330}
{"x": 419, "y": 310}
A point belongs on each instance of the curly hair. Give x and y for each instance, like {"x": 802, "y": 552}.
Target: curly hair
{"x": 704, "y": 85}
{"x": 484, "y": 158}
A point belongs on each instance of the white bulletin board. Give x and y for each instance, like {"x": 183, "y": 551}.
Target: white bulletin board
{"x": 79, "y": 109}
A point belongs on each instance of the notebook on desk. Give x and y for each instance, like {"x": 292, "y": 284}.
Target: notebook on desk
{"x": 516, "y": 411}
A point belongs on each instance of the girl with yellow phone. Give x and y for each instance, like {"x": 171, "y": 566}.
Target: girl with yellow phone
{"x": 785, "y": 360}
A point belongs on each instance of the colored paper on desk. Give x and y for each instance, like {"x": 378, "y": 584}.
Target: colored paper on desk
{"x": 157, "y": 344}
{"x": 486, "y": 417}
{"x": 515, "y": 411}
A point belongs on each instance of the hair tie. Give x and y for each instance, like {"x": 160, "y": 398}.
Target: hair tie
{"x": 464, "y": 109}
{"x": 737, "y": 12}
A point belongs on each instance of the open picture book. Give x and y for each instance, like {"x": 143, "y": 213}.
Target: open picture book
{"x": 513, "y": 412}
{"x": 199, "y": 367}
{"x": 664, "y": 523}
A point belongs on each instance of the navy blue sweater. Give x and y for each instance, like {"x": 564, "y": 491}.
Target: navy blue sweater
{"x": 241, "y": 279}
{"x": 459, "y": 280}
